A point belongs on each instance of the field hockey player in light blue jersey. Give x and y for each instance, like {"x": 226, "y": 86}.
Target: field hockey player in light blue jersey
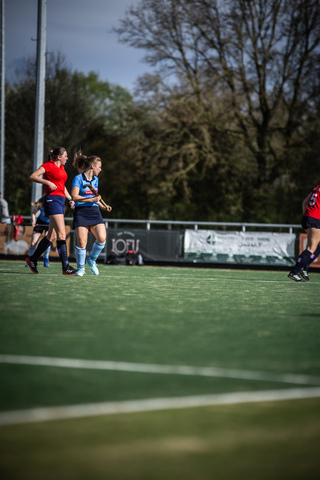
{"x": 40, "y": 226}
{"x": 87, "y": 215}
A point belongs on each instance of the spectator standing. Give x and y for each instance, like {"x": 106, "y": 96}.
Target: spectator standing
{"x": 4, "y": 211}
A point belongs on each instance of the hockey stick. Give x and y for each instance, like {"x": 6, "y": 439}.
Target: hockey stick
{"x": 102, "y": 201}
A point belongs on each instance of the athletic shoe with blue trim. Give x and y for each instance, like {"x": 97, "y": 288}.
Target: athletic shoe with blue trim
{"x": 80, "y": 272}
{"x": 46, "y": 262}
{"x": 93, "y": 266}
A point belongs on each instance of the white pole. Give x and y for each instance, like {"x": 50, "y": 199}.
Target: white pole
{"x": 40, "y": 97}
{"x": 2, "y": 96}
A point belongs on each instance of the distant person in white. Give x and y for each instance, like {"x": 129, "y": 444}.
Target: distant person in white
{"x": 4, "y": 211}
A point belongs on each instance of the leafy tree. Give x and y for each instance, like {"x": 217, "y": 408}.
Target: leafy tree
{"x": 178, "y": 168}
{"x": 80, "y": 112}
{"x": 19, "y": 131}
{"x": 260, "y": 57}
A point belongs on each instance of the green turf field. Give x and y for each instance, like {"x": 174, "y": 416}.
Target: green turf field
{"x": 176, "y": 373}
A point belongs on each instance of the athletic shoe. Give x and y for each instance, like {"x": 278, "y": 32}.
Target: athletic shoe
{"x": 295, "y": 277}
{"x": 32, "y": 265}
{"x": 304, "y": 274}
{"x": 68, "y": 270}
{"x": 93, "y": 266}
{"x": 46, "y": 262}
{"x": 80, "y": 272}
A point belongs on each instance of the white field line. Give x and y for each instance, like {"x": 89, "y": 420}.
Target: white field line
{"x": 180, "y": 277}
{"x": 161, "y": 369}
{"x": 215, "y": 279}
{"x": 131, "y": 406}
{"x": 202, "y": 279}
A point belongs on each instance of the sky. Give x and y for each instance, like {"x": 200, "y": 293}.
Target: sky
{"x": 81, "y": 30}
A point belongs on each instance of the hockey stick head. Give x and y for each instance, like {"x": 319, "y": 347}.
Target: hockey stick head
{"x": 91, "y": 188}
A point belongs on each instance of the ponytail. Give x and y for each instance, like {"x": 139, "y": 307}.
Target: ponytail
{"x": 55, "y": 153}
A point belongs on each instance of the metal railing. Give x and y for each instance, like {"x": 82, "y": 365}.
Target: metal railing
{"x": 195, "y": 225}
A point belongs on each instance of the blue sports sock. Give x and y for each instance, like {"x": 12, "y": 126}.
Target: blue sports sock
{"x": 313, "y": 257}
{"x": 80, "y": 256}
{"x": 42, "y": 246}
{"x": 302, "y": 261}
{"x": 62, "y": 249}
{"x": 96, "y": 250}
{"x": 31, "y": 251}
{"x": 47, "y": 252}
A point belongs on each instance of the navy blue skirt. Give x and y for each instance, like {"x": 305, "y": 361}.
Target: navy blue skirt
{"x": 86, "y": 216}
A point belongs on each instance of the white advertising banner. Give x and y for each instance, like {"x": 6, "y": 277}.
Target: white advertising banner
{"x": 240, "y": 247}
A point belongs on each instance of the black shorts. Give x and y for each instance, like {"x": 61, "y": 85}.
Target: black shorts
{"x": 86, "y": 216}
{"x": 310, "y": 222}
{"x": 41, "y": 227}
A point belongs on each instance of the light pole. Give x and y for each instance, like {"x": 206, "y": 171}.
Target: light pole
{"x": 40, "y": 97}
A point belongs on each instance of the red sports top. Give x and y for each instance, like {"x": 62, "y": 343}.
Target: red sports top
{"x": 56, "y": 175}
{"x": 313, "y": 208}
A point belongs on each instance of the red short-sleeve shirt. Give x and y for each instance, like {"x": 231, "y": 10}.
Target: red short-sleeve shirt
{"x": 313, "y": 208}
{"x": 56, "y": 175}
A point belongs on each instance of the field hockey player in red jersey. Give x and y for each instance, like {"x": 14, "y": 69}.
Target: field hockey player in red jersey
{"x": 53, "y": 176}
{"x": 311, "y": 223}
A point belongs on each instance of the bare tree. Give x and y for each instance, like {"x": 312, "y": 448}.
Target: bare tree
{"x": 261, "y": 56}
